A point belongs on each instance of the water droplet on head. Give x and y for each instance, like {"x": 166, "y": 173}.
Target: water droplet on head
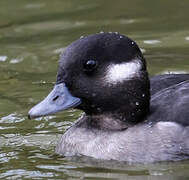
{"x": 132, "y": 42}
{"x": 137, "y": 103}
{"x": 87, "y": 92}
{"x": 143, "y": 95}
{"x": 99, "y": 109}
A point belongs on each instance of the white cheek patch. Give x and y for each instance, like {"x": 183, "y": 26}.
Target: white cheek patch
{"x": 119, "y": 72}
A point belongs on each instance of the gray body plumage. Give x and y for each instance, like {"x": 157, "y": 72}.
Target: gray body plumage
{"x": 140, "y": 143}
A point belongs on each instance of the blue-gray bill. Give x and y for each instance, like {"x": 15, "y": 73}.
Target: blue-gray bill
{"x": 58, "y": 99}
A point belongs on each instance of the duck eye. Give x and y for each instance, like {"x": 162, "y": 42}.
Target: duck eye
{"x": 90, "y": 65}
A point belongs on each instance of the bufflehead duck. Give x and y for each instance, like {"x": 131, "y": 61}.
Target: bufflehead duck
{"x": 105, "y": 75}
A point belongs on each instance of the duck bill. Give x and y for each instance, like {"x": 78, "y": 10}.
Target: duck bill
{"x": 58, "y": 99}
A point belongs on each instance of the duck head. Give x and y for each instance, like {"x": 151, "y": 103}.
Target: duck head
{"x": 100, "y": 74}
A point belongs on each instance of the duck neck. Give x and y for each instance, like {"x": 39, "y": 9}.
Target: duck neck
{"x": 106, "y": 121}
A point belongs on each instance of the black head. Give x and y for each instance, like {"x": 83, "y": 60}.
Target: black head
{"x": 107, "y": 72}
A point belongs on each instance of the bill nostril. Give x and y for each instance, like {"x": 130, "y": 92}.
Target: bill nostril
{"x": 54, "y": 99}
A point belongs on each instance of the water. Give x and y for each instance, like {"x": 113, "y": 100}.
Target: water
{"x": 32, "y": 35}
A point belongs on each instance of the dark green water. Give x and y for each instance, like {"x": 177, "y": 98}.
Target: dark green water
{"x": 32, "y": 35}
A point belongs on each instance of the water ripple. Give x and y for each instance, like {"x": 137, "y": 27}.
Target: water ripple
{"x": 154, "y": 41}
{"x": 3, "y": 58}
